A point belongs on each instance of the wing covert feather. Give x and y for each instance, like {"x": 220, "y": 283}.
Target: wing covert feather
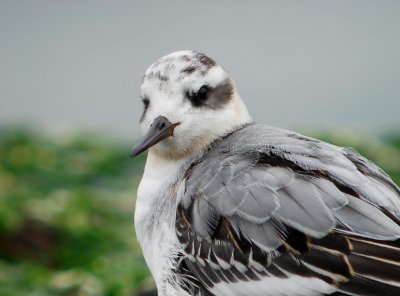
{"x": 264, "y": 194}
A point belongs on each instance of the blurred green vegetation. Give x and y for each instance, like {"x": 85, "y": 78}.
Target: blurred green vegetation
{"x": 66, "y": 211}
{"x": 66, "y": 215}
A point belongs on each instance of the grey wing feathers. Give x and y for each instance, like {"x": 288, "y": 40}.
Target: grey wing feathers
{"x": 283, "y": 199}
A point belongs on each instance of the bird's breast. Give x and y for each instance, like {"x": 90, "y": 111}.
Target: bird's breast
{"x": 154, "y": 221}
{"x": 155, "y": 212}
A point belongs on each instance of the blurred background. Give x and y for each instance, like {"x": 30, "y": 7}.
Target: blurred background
{"x": 70, "y": 75}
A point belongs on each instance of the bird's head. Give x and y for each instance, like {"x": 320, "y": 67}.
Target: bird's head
{"x": 189, "y": 101}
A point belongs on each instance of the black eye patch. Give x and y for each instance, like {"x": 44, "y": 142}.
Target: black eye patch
{"x": 212, "y": 98}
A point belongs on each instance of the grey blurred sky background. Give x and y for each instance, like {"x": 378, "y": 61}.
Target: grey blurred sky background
{"x": 297, "y": 64}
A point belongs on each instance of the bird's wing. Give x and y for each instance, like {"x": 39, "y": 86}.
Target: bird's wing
{"x": 288, "y": 215}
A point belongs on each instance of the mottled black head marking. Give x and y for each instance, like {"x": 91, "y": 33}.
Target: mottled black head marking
{"x": 189, "y": 70}
{"x": 198, "y": 62}
{"x": 205, "y": 60}
{"x": 158, "y": 75}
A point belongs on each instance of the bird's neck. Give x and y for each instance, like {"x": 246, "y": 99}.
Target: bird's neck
{"x": 159, "y": 175}
{"x": 163, "y": 168}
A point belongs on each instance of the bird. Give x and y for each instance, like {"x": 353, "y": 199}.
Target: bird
{"x": 227, "y": 206}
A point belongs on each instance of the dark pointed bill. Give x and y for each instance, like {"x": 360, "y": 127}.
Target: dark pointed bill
{"x": 160, "y": 129}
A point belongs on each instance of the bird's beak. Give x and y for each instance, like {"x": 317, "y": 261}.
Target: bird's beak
{"x": 160, "y": 129}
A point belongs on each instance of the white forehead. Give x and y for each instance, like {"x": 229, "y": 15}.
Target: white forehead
{"x": 182, "y": 71}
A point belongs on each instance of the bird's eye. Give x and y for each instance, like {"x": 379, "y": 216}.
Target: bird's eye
{"x": 202, "y": 92}
{"x": 146, "y": 102}
{"x": 200, "y": 96}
